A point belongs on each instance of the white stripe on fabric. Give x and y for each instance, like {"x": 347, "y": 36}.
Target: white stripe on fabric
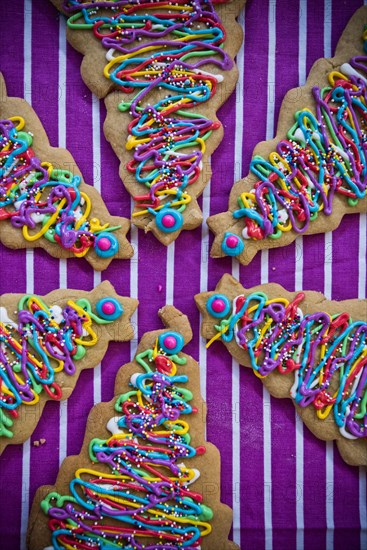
{"x": 329, "y": 495}
{"x": 299, "y": 483}
{"x": 134, "y": 284}
{"x": 62, "y": 83}
{"x": 363, "y": 506}
{"x": 302, "y": 76}
{"x": 170, "y": 273}
{"x": 63, "y": 414}
{"x": 328, "y": 294}
{"x": 298, "y": 277}
{"x": 29, "y": 257}
{"x": 97, "y": 184}
{"x": 329, "y": 444}
{"x": 327, "y": 27}
{"x": 362, "y": 295}
{"x": 271, "y": 70}
{"x": 268, "y": 520}
{"x": 63, "y": 274}
{"x": 236, "y": 440}
{"x": 328, "y": 265}
{"x": 302, "y": 42}
{"x": 362, "y": 255}
{"x": 204, "y": 264}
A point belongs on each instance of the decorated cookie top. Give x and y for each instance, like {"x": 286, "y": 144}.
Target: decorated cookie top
{"x": 326, "y": 353}
{"x": 319, "y": 170}
{"x": 156, "y": 53}
{"x": 323, "y": 156}
{"x": 45, "y": 202}
{"x": 46, "y": 340}
{"x": 44, "y": 344}
{"x": 136, "y": 491}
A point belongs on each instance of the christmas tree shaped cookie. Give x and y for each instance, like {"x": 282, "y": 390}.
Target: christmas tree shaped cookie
{"x": 301, "y": 346}
{"x": 315, "y": 170}
{"x": 43, "y": 199}
{"x": 171, "y": 67}
{"x": 45, "y": 342}
{"x": 142, "y": 478}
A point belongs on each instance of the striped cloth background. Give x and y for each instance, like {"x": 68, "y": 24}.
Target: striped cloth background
{"x": 287, "y": 489}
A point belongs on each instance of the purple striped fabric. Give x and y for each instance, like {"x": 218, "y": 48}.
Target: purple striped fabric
{"x": 287, "y": 489}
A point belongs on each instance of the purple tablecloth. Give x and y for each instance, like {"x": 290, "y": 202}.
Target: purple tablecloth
{"x": 287, "y": 488}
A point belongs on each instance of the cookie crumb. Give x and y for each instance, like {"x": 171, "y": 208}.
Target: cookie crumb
{"x": 36, "y": 443}
{"x": 160, "y": 288}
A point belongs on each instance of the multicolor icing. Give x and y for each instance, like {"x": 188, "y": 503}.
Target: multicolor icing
{"x": 155, "y": 54}
{"x": 145, "y": 502}
{"x": 45, "y": 202}
{"x": 45, "y": 341}
{"x": 324, "y": 155}
{"x": 328, "y": 354}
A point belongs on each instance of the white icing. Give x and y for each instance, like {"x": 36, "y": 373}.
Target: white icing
{"x": 108, "y": 486}
{"x": 245, "y": 234}
{"x": 110, "y": 54}
{"x": 37, "y": 217}
{"x": 342, "y": 429}
{"x": 23, "y": 186}
{"x": 294, "y": 388}
{"x": 348, "y": 70}
{"x": 196, "y": 473}
{"x": 112, "y": 426}
{"x": 299, "y": 135}
{"x": 7, "y": 172}
{"x": 341, "y": 152}
{"x": 196, "y": 476}
{"x": 346, "y": 434}
{"x": 218, "y": 77}
{"x": 283, "y": 215}
{"x": 4, "y": 318}
{"x": 18, "y": 204}
{"x": 134, "y": 378}
{"x": 78, "y": 214}
{"x": 235, "y": 327}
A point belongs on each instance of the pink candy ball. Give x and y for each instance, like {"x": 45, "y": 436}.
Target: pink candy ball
{"x": 168, "y": 220}
{"x": 108, "y": 308}
{"x": 170, "y": 342}
{"x": 218, "y": 305}
{"x": 104, "y": 243}
{"x": 232, "y": 241}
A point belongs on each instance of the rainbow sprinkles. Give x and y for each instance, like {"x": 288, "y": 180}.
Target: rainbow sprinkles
{"x": 327, "y": 354}
{"x": 45, "y": 202}
{"x": 155, "y": 54}
{"x": 315, "y": 355}
{"x": 44, "y": 341}
{"x": 321, "y": 166}
{"x": 137, "y": 494}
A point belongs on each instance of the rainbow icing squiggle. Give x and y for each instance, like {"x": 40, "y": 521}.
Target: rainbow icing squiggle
{"x": 156, "y": 51}
{"x": 324, "y": 156}
{"x": 45, "y": 202}
{"x": 145, "y": 502}
{"x": 45, "y": 341}
{"x": 328, "y": 354}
